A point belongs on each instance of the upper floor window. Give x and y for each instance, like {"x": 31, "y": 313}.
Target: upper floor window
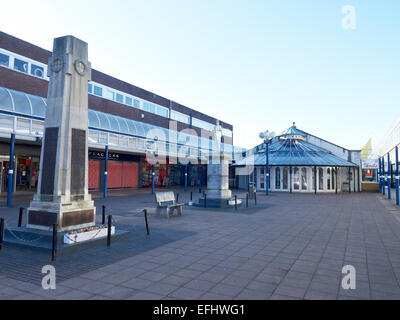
{"x": 90, "y": 88}
{"x": 37, "y": 71}
{"x": 4, "y": 60}
{"x": 98, "y": 91}
{"x": 128, "y": 101}
{"x": 21, "y": 65}
{"x": 119, "y": 98}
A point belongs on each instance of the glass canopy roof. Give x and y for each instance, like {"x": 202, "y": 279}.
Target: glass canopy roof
{"x": 33, "y": 106}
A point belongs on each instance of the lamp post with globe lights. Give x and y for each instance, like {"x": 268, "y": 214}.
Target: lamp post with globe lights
{"x": 267, "y": 136}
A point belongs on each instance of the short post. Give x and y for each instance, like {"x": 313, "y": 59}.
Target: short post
{"x": 236, "y": 207}
{"x": 1, "y": 233}
{"x": 247, "y": 200}
{"x": 255, "y": 198}
{"x": 205, "y": 201}
{"x": 54, "y": 247}
{"x": 147, "y": 222}
{"x": 397, "y": 175}
{"x": 389, "y": 177}
{"x": 103, "y": 220}
{"x": 21, "y": 212}
{"x": 191, "y": 196}
{"x": 109, "y": 231}
{"x": 177, "y": 197}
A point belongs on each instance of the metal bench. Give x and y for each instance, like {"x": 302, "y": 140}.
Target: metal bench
{"x": 166, "y": 202}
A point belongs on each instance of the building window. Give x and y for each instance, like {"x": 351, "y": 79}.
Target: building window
{"x": 304, "y": 178}
{"x": 37, "y": 71}
{"x": 21, "y": 65}
{"x": 369, "y": 175}
{"x": 328, "y": 178}
{"x": 90, "y": 88}
{"x": 285, "y": 178}
{"x": 98, "y": 91}
{"x": 136, "y": 103}
{"x": 128, "y": 101}
{"x": 296, "y": 179}
{"x": 277, "y": 178}
{"x": 314, "y": 172}
{"x": 321, "y": 178}
{"x": 119, "y": 98}
{"x": 4, "y": 60}
{"x": 333, "y": 178}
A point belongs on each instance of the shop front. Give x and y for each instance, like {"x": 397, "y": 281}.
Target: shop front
{"x": 369, "y": 177}
{"x": 123, "y": 170}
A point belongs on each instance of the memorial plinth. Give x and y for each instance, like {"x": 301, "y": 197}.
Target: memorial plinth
{"x": 62, "y": 197}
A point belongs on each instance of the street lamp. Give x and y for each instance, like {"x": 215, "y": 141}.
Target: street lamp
{"x": 267, "y": 136}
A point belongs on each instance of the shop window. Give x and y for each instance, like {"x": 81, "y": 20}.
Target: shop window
{"x": 321, "y": 178}
{"x": 328, "y": 178}
{"x": 304, "y": 178}
{"x": 296, "y": 179}
{"x": 285, "y": 178}
{"x": 37, "y": 71}
{"x": 277, "y": 178}
{"x": 369, "y": 175}
{"x": 4, "y": 60}
{"x": 21, "y": 65}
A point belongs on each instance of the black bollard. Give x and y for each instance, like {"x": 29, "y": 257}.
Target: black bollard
{"x": 177, "y": 197}
{"x": 236, "y": 203}
{"x": 205, "y": 201}
{"x": 1, "y": 233}
{"x": 255, "y": 198}
{"x": 21, "y": 212}
{"x": 147, "y": 222}
{"x": 54, "y": 248}
{"x": 109, "y": 231}
{"x": 191, "y": 196}
{"x": 247, "y": 200}
{"x": 103, "y": 221}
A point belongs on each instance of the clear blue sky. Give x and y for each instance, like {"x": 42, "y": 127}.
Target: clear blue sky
{"x": 255, "y": 64}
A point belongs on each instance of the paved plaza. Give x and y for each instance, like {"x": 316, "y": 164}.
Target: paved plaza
{"x": 292, "y": 246}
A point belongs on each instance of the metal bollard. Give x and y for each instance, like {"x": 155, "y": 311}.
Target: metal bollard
{"x": 103, "y": 221}
{"x": 177, "y": 197}
{"x": 255, "y": 198}
{"x": 236, "y": 207}
{"x": 21, "y": 212}
{"x": 147, "y": 222}
{"x": 205, "y": 201}
{"x": 109, "y": 231}
{"x": 247, "y": 200}
{"x": 191, "y": 196}
{"x": 54, "y": 247}
{"x": 1, "y": 233}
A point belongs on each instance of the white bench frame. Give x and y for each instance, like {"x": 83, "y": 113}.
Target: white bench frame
{"x": 166, "y": 202}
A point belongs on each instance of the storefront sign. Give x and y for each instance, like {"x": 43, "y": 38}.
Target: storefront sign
{"x": 100, "y": 155}
{"x": 369, "y": 163}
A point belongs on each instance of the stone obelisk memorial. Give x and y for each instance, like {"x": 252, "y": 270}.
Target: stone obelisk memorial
{"x": 62, "y": 196}
{"x": 218, "y": 193}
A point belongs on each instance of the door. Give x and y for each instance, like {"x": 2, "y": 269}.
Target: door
{"x": 94, "y": 174}
{"x": 130, "y": 175}
{"x": 114, "y": 179}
